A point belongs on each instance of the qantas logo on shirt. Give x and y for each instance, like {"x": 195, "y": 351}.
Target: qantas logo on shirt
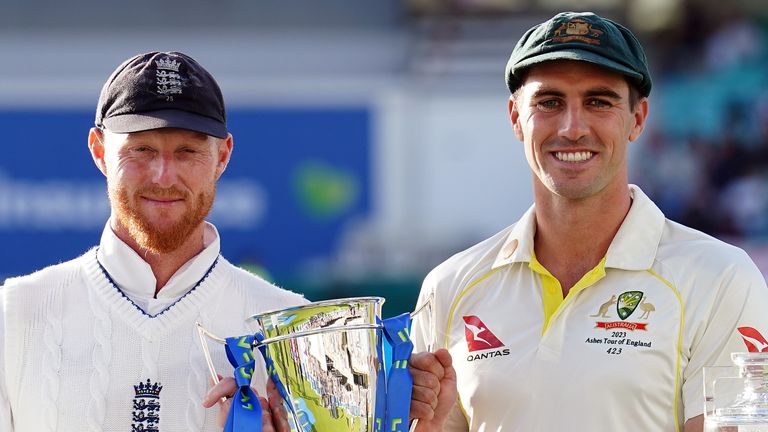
{"x": 754, "y": 341}
{"x": 480, "y": 338}
{"x": 478, "y": 335}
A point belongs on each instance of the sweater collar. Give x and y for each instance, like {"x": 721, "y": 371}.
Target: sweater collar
{"x": 134, "y": 276}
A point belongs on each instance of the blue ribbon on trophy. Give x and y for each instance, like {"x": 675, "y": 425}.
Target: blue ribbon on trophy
{"x": 380, "y": 410}
{"x": 245, "y": 411}
{"x": 326, "y": 360}
{"x": 399, "y": 381}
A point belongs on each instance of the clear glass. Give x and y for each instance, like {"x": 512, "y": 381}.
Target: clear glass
{"x": 736, "y": 398}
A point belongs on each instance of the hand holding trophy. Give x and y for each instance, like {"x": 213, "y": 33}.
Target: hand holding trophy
{"x": 274, "y": 416}
{"x": 326, "y": 361}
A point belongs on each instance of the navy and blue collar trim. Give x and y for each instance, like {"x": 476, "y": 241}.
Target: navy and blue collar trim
{"x": 143, "y": 312}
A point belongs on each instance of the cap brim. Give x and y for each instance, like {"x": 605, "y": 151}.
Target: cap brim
{"x": 139, "y": 122}
{"x": 578, "y": 55}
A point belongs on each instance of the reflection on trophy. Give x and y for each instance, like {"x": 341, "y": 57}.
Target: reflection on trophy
{"x": 736, "y": 397}
{"x": 326, "y": 360}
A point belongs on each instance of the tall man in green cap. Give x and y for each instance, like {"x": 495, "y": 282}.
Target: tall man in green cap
{"x": 593, "y": 311}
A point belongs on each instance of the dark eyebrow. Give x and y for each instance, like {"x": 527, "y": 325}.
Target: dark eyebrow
{"x": 547, "y": 91}
{"x": 603, "y": 92}
{"x": 594, "y": 92}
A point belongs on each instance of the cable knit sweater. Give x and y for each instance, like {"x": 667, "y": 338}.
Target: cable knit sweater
{"x": 80, "y": 356}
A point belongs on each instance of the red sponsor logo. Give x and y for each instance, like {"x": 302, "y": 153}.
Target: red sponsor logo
{"x": 754, "y": 341}
{"x": 478, "y": 335}
{"x": 622, "y": 324}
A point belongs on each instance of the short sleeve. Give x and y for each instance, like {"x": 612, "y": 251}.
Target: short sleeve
{"x": 737, "y": 322}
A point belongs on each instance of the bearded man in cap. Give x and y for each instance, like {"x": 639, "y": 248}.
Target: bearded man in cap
{"x": 107, "y": 341}
{"x": 592, "y": 312}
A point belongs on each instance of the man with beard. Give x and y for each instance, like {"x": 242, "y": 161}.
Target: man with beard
{"x": 107, "y": 341}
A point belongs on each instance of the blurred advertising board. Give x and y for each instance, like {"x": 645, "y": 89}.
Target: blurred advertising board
{"x": 296, "y": 178}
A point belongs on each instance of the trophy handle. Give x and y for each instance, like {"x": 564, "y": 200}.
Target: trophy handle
{"x": 426, "y": 306}
{"x": 202, "y": 333}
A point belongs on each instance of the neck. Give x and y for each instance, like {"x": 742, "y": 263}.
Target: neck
{"x": 164, "y": 265}
{"x": 572, "y": 236}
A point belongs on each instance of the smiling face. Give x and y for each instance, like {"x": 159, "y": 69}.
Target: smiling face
{"x": 161, "y": 183}
{"x": 575, "y": 120}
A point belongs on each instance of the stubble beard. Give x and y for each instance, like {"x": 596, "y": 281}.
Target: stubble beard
{"x": 153, "y": 238}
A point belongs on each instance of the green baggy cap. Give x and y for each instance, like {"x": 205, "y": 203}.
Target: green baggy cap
{"x": 583, "y": 37}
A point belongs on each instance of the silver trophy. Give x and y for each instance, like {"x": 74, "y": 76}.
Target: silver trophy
{"x": 736, "y": 397}
{"x": 325, "y": 358}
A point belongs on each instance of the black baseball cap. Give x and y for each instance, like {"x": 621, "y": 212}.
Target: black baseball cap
{"x": 161, "y": 90}
{"x": 583, "y": 37}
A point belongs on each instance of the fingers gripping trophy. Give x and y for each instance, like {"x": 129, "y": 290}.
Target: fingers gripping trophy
{"x": 327, "y": 363}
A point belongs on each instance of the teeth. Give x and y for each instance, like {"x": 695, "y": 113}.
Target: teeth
{"x": 573, "y": 156}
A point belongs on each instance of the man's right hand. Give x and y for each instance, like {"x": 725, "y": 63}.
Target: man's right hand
{"x": 434, "y": 389}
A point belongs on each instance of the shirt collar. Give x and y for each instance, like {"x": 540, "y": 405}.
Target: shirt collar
{"x": 635, "y": 245}
{"x": 518, "y": 247}
{"x": 134, "y": 276}
{"x": 633, "y": 248}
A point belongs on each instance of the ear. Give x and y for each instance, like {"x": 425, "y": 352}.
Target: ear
{"x": 96, "y": 146}
{"x": 640, "y": 115}
{"x": 225, "y": 152}
{"x": 514, "y": 118}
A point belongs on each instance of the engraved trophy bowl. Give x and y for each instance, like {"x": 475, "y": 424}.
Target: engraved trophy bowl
{"x": 736, "y": 397}
{"x": 326, "y": 361}
{"x": 325, "y": 355}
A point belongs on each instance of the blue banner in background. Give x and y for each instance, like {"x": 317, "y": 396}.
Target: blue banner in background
{"x": 297, "y": 177}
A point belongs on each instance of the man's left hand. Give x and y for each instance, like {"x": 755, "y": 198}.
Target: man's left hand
{"x": 274, "y": 417}
{"x": 434, "y": 388}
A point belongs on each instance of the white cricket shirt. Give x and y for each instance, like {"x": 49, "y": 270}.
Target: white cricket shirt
{"x": 623, "y": 351}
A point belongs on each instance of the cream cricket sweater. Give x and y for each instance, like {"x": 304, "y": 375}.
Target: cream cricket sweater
{"x": 80, "y": 355}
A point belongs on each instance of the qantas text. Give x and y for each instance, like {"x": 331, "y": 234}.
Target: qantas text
{"x": 485, "y": 355}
